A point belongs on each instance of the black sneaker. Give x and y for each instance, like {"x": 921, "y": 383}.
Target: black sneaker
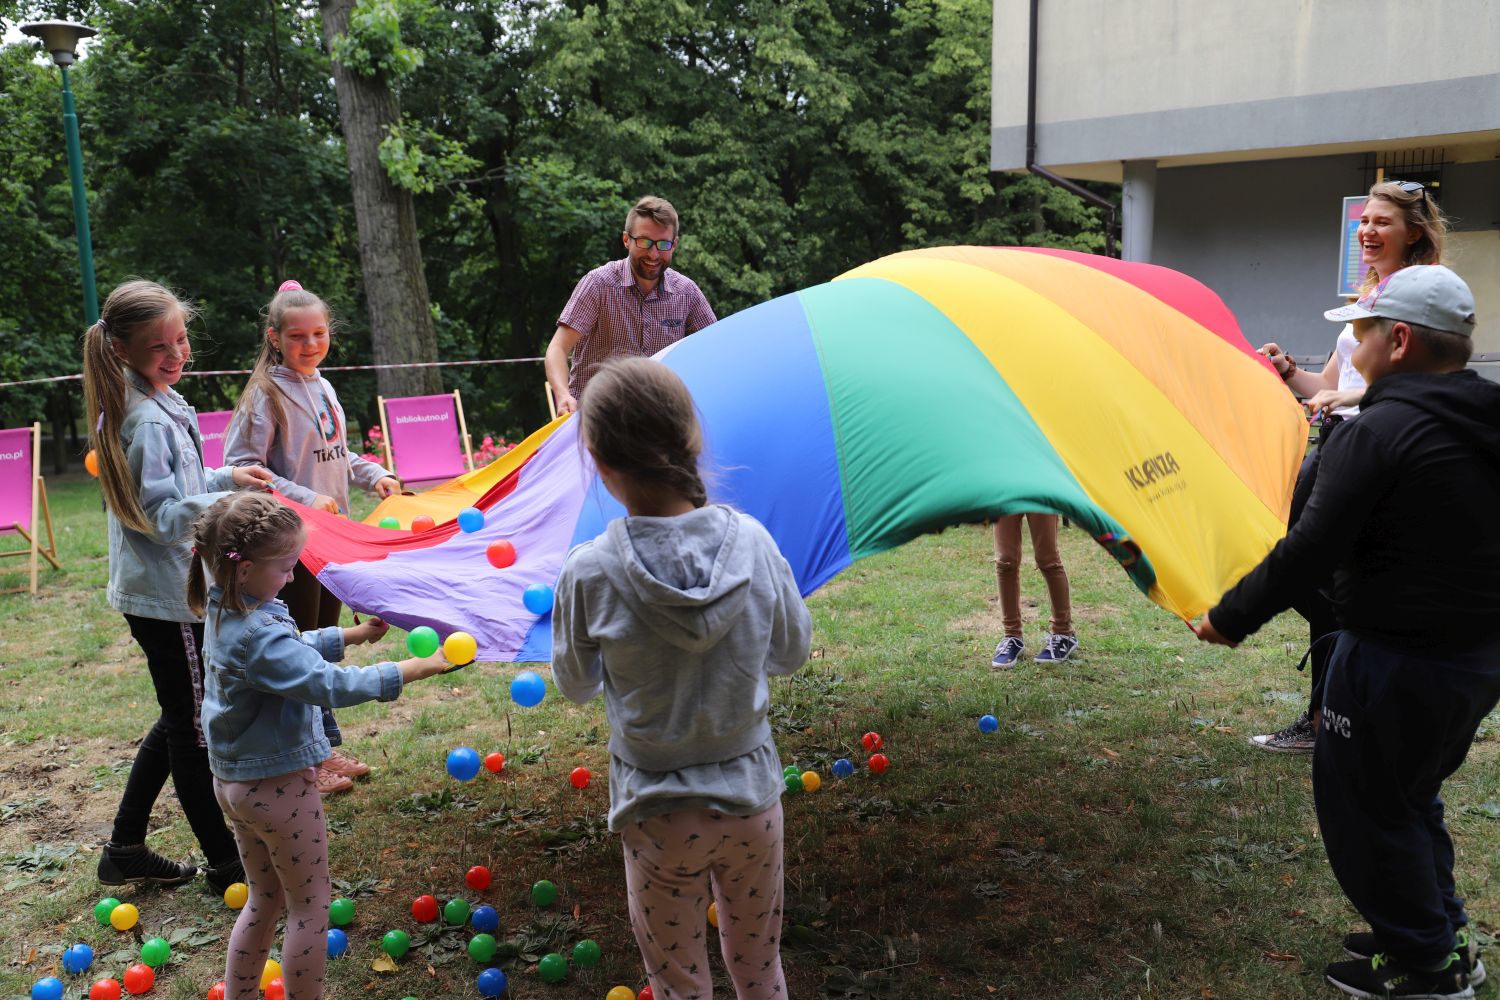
{"x": 122, "y": 865}
{"x": 1296, "y": 738}
{"x": 1380, "y": 977}
{"x": 1362, "y": 944}
{"x": 221, "y": 877}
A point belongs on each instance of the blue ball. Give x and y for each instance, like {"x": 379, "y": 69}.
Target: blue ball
{"x": 485, "y": 919}
{"x": 471, "y": 519}
{"x": 988, "y": 723}
{"x": 842, "y": 767}
{"x": 538, "y": 598}
{"x": 492, "y": 983}
{"x": 528, "y": 688}
{"x": 50, "y": 988}
{"x": 338, "y": 942}
{"x": 78, "y": 958}
{"x": 463, "y": 763}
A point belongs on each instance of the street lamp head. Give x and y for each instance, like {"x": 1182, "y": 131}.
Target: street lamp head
{"x": 60, "y": 38}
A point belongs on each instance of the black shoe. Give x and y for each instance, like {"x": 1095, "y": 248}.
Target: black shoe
{"x": 122, "y": 865}
{"x": 221, "y": 877}
{"x": 1362, "y": 944}
{"x": 1379, "y": 977}
{"x": 1299, "y": 737}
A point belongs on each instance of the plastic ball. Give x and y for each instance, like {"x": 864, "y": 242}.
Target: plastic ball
{"x": 492, "y": 983}
{"x": 872, "y": 741}
{"x": 49, "y": 988}
{"x": 793, "y": 783}
{"x": 879, "y": 763}
{"x": 485, "y": 919}
{"x": 478, "y": 878}
{"x": 91, "y": 463}
{"x": 463, "y": 763}
{"x": 78, "y": 958}
{"x": 843, "y": 767}
{"x": 139, "y": 978}
{"x": 338, "y": 942}
{"x": 553, "y": 968}
{"x": 586, "y": 954}
{"x": 424, "y": 909}
{"x": 276, "y": 990}
{"x": 217, "y": 990}
{"x": 537, "y": 598}
{"x": 528, "y": 689}
{"x": 124, "y": 916}
{"x": 460, "y": 649}
{"x": 109, "y": 989}
{"x": 988, "y": 723}
{"x": 500, "y": 553}
{"x": 811, "y": 781}
{"x": 456, "y": 911}
{"x": 790, "y": 770}
{"x": 156, "y": 952}
{"x": 580, "y": 777}
{"x": 645, "y": 994}
{"x": 396, "y": 944}
{"x": 422, "y": 523}
{"x": 482, "y": 947}
{"x": 620, "y": 993}
{"x": 237, "y": 895}
{"x": 340, "y": 913}
{"x": 270, "y": 972}
{"x": 470, "y": 519}
{"x": 494, "y": 762}
{"x": 422, "y": 641}
{"x": 713, "y": 914}
{"x": 390, "y": 522}
{"x": 544, "y": 893}
{"x": 104, "y": 908}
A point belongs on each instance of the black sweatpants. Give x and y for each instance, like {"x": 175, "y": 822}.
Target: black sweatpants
{"x": 1313, "y": 604}
{"x": 1395, "y": 725}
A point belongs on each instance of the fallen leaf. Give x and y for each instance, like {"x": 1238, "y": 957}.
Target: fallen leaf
{"x": 384, "y": 964}
{"x": 1280, "y": 956}
{"x": 1286, "y": 878}
{"x": 1110, "y": 753}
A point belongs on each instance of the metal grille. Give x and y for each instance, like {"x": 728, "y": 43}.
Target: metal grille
{"x": 1425, "y": 166}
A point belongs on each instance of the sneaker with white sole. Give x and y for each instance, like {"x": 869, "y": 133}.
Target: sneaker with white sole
{"x": 1379, "y": 977}
{"x": 138, "y": 863}
{"x": 1008, "y": 652}
{"x": 1362, "y": 944}
{"x": 1057, "y": 648}
{"x": 1299, "y": 737}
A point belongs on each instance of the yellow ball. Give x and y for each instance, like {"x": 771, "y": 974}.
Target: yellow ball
{"x": 811, "y": 781}
{"x": 124, "y": 916}
{"x": 460, "y": 648}
{"x": 713, "y": 914}
{"x": 271, "y": 971}
{"x": 236, "y": 895}
{"x": 620, "y": 993}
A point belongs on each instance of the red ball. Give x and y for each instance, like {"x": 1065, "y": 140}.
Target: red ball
{"x": 495, "y": 762}
{"x": 422, "y": 523}
{"x": 580, "y": 777}
{"x": 478, "y": 878}
{"x": 109, "y": 989}
{"x": 276, "y": 989}
{"x": 424, "y": 909}
{"x": 645, "y": 994}
{"x": 872, "y": 741}
{"x": 139, "y": 978}
{"x": 216, "y": 991}
{"x": 879, "y": 762}
{"x": 500, "y": 553}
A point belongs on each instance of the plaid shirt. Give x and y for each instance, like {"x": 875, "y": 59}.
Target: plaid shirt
{"x": 614, "y": 319}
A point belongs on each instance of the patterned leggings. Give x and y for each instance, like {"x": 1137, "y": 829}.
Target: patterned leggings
{"x": 278, "y": 824}
{"x": 672, "y": 863}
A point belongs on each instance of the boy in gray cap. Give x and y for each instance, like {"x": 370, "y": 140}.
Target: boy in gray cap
{"x": 1402, "y": 516}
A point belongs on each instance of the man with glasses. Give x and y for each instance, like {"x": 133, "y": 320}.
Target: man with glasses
{"x": 633, "y": 306}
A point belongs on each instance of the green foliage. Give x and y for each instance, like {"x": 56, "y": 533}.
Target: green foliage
{"x": 419, "y": 159}
{"x": 372, "y": 45}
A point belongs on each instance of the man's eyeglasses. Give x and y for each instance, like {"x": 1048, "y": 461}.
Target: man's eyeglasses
{"x": 642, "y": 243}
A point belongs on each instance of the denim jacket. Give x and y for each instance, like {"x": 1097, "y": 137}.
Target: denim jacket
{"x": 263, "y": 685}
{"x": 148, "y": 572}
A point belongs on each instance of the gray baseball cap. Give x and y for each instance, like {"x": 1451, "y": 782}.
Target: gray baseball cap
{"x": 1428, "y": 295}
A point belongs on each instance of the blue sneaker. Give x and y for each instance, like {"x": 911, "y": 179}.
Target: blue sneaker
{"x": 1058, "y": 648}
{"x": 1008, "y": 652}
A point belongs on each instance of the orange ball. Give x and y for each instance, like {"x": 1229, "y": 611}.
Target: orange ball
{"x": 216, "y": 991}
{"x": 500, "y": 553}
{"x": 91, "y": 463}
{"x": 422, "y": 523}
{"x": 139, "y": 978}
{"x": 495, "y": 762}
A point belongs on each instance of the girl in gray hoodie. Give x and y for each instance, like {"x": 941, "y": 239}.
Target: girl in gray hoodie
{"x": 679, "y": 614}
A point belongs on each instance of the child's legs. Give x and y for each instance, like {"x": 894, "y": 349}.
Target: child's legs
{"x": 283, "y": 843}
{"x": 313, "y": 606}
{"x": 667, "y": 890}
{"x": 748, "y": 888}
{"x": 1049, "y": 560}
{"x": 1008, "y": 571}
{"x": 148, "y": 776}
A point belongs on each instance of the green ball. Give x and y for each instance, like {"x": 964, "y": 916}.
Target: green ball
{"x": 794, "y": 783}
{"x": 544, "y": 893}
{"x": 390, "y": 522}
{"x": 791, "y": 769}
{"x": 586, "y": 954}
{"x": 422, "y": 641}
{"x": 156, "y": 952}
{"x": 104, "y": 908}
{"x": 396, "y": 944}
{"x": 341, "y": 912}
{"x": 482, "y": 947}
{"x": 456, "y": 911}
{"x": 552, "y": 968}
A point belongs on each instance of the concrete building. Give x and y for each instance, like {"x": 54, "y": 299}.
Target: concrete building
{"x": 1239, "y": 129}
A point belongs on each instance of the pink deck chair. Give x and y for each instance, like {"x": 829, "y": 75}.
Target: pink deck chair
{"x": 426, "y": 440}
{"x": 23, "y": 500}
{"x": 212, "y": 427}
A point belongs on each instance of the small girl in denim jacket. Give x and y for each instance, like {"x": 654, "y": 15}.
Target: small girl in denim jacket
{"x": 265, "y": 681}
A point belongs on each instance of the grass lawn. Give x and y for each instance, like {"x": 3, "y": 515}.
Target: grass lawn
{"x": 1115, "y": 838}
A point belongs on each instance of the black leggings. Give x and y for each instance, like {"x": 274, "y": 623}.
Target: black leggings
{"x": 1313, "y": 603}
{"x": 175, "y": 746}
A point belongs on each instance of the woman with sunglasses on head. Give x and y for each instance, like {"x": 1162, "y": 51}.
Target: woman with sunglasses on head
{"x": 1400, "y": 226}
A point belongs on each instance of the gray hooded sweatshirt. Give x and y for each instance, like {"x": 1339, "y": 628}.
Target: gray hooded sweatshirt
{"x": 679, "y": 622}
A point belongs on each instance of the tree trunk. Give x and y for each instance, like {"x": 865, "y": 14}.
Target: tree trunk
{"x": 390, "y": 252}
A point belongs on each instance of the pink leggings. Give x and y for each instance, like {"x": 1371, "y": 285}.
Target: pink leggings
{"x": 278, "y": 824}
{"x": 1048, "y": 560}
{"x": 672, "y": 864}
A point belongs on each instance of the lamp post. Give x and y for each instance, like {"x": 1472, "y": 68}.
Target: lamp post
{"x": 61, "y": 38}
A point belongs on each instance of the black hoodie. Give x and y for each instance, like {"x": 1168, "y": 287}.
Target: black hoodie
{"x": 1405, "y": 516}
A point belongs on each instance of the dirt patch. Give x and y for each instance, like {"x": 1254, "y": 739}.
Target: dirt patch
{"x": 58, "y": 793}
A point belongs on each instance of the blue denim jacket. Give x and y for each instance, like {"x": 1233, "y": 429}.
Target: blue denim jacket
{"x": 263, "y": 685}
{"x": 148, "y": 573}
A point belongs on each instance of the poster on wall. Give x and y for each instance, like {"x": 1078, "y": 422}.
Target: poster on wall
{"x": 1351, "y": 270}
